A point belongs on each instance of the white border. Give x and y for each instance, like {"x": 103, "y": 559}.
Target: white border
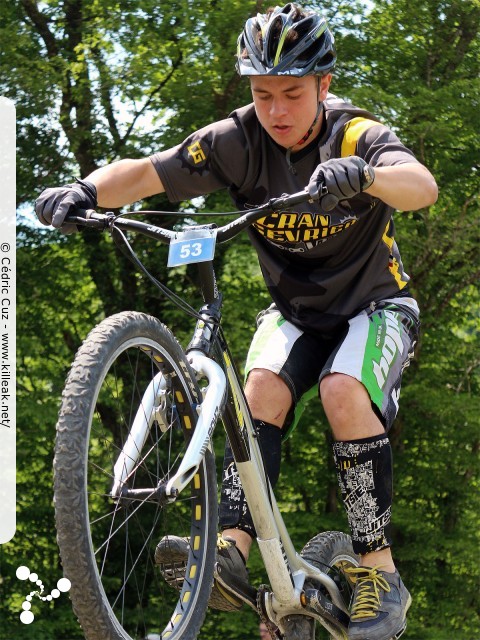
{"x": 7, "y": 321}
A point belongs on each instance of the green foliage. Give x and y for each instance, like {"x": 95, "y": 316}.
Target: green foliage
{"x": 56, "y": 306}
{"x": 437, "y": 508}
{"x": 94, "y": 81}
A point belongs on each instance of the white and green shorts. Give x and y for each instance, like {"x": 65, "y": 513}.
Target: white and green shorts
{"x": 375, "y": 348}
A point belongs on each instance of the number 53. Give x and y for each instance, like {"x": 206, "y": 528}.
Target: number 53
{"x": 194, "y": 250}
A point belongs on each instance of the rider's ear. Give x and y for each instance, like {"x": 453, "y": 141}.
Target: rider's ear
{"x": 324, "y": 86}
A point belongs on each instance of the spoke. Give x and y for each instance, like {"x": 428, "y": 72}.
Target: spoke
{"x": 134, "y": 564}
{"x": 122, "y": 524}
{"x": 124, "y": 531}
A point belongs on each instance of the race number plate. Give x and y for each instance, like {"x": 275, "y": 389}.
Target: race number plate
{"x": 192, "y": 245}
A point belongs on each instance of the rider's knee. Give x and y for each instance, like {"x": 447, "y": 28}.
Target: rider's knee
{"x": 268, "y": 396}
{"x": 265, "y": 381}
{"x": 349, "y": 408}
{"x": 340, "y": 392}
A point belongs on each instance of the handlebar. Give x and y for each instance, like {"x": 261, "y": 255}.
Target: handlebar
{"x": 102, "y": 221}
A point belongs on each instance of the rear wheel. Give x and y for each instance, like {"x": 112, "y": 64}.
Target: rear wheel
{"x": 107, "y": 544}
{"x": 332, "y": 552}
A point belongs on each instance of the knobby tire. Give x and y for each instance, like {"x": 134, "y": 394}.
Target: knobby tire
{"x": 332, "y": 552}
{"x": 107, "y": 546}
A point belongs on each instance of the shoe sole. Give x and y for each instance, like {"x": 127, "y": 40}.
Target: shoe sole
{"x": 223, "y": 600}
{"x": 403, "y": 629}
{"x": 173, "y": 569}
{"x": 171, "y": 562}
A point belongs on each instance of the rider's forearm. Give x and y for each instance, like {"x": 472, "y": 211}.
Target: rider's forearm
{"x": 406, "y": 187}
{"x": 125, "y": 181}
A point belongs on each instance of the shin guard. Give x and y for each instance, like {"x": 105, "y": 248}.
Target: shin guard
{"x": 365, "y": 477}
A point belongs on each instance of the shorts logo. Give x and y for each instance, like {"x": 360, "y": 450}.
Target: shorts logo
{"x": 391, "y": 344}
{"x": 196, "y": 152}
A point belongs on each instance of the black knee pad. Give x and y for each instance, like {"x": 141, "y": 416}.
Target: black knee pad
{"x": 233, "y": 512}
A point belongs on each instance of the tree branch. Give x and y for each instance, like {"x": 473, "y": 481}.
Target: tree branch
{"x": 41, "y": 24}
{"x": 105, "y": 95}
{"x": 153, "y": 93}
{"x": 445, "y": 244}
{"x": 452, "y": 292}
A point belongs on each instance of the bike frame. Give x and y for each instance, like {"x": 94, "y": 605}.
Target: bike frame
{"x": 210, "y": 358}
{"x": 224, "y": 398}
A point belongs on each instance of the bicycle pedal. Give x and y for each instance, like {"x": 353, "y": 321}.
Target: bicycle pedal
{"x": 234, "y": 585}
{"x": 320, "y": 604}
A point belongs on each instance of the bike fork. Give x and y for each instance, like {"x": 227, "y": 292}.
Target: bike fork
{"x": 150, "y": 410}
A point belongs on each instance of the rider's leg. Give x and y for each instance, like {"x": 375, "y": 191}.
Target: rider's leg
{"x": 282, "y": 364}
{"x": 360, "y": 389}
{"x": 269, "y": 400}
{"x": 268, "y": 397}
{"x": 349, "y": 411}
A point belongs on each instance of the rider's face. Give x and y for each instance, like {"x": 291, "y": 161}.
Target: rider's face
{"x": 286, "y": 106}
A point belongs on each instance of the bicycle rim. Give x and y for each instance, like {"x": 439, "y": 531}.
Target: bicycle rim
{"x": 108, "y": 544}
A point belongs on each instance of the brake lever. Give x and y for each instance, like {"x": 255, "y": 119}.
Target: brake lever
{"x": 90, "y": 218}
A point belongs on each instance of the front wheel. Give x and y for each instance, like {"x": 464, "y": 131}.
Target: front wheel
{"x": 332, "y": 552}
{"x": 107, "y": 543}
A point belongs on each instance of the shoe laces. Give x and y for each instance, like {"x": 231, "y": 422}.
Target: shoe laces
{"x": 369, "y": 584}
{"x": 222, "y": 543}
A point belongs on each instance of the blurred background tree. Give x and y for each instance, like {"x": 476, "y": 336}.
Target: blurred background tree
{"x": 96, "y": 80}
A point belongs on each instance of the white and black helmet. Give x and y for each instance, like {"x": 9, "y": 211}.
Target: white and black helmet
{"x": 286, "y": 41}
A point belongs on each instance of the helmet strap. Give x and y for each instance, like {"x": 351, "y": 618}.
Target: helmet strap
{"x": 309, "y": 132}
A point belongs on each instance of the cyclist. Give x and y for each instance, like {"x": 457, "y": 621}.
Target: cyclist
{"x": 342, "y": 316}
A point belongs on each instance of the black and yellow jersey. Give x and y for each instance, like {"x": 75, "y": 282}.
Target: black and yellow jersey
{"x": 320, "y": 267}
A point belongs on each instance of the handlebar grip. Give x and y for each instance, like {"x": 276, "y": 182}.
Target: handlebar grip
{"x": 289, "y": 200}
{"x": 77, "y": 217}
{"x": 87, "y": 218}
{"x": 328, "y": 202}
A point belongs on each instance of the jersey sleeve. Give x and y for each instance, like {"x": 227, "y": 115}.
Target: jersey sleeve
{"x": 212, "y": 158}
{"x": 375, "y": 143}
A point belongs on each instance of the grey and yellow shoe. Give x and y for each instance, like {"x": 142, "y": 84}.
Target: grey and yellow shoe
{"x": 171, "y": 557}
{"x": 379, "y": 606}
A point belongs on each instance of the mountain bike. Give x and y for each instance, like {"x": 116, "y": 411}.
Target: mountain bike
{"x": 134, "y": 462}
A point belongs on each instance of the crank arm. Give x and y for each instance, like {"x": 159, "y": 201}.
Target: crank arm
{"x": 237, "y": 587}
{"x": 317, "y": 602}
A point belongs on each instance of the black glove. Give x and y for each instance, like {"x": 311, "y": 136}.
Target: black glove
{"x": 339, "y": 179}
{"x": 55, "y": 203}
